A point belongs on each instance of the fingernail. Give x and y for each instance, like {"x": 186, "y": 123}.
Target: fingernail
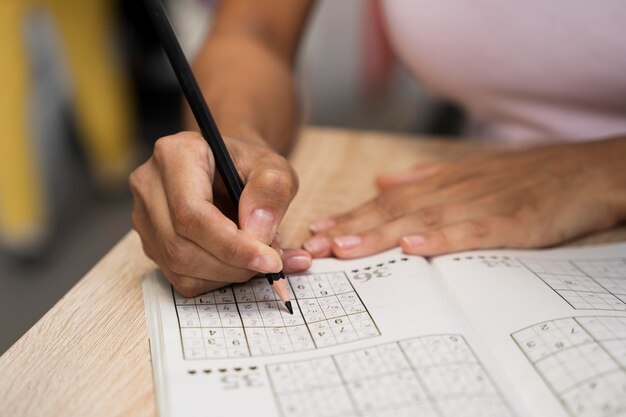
{"x": 298, "y": 263}
{"x": 321, "y": 225}
{"x": 348, "y": 242}
{"x": 317, "y": 244}
{"x": 266, "y": 263}
{"x": 260, "y": 224}
{"x": 414, "y": 241}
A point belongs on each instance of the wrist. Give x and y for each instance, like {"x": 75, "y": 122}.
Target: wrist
{"x": 610, "y": 158}
{"x": 242, "y": 132}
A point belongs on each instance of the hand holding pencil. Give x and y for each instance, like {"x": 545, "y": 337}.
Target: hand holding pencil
{"x": 196, "y": 245}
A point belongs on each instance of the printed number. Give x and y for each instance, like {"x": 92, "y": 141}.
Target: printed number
{"x": 237, "y": 381}
{"x": 365, "y": 276}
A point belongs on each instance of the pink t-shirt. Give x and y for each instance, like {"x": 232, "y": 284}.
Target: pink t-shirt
{"x": 525, "y": 71}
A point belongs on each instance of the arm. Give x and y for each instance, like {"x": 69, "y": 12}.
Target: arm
{"x": 245, "y": 69}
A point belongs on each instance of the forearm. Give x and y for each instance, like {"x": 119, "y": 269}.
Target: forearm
{"x": 249, "y": 88}
{"x": 610, "y": 158}
{"x": 245, "y": 69}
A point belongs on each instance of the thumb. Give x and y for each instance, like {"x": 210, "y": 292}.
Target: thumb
{"x": 270, "y": 187}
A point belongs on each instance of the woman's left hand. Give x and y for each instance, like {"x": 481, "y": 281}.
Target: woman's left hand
{"x": 512, "y": 199}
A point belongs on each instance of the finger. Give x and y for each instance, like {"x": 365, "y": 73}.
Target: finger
{"x": 187, "y": 259}
{"x": 270, "y": 187}
{"x": 388, "y": 235}
{"x": 189, "y": 286}
{"x": 186, "y": 168}
{"x": 322, "y": 225}
{"x": 296, "y": 260}
{"x": 429, "y": 209}
{"x": 478, "y": 233}
{"x": 182, "y": 256}
{"x": 408, "y": 176}
{"x": 141, "y": 224}
{"x": 387, "y": 206}
{"x": 380, "y": 210}
{"x": 384, "y": 208}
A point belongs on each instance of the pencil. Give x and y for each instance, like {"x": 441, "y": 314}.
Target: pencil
{"x": 208, "y": 127}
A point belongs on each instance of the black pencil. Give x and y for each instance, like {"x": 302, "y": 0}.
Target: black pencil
{"x": 208, "y": 127}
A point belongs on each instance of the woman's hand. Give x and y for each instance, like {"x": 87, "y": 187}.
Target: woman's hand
{"x": 518, "y": 199}
{"x": 197, "y": 247}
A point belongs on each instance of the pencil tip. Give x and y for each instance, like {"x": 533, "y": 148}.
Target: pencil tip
{"x": 289, "y": 307}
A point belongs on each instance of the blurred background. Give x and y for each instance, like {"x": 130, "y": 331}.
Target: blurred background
{"x": 87, "y": 91}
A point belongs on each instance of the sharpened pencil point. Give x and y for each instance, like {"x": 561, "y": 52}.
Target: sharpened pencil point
{"x": 288, "y": 305}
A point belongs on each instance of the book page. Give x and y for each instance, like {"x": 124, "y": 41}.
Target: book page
{"x": 370, "y": 337}
{"x": 554, "y": 320}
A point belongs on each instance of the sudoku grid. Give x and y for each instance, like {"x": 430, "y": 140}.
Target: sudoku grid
{"x": 431, "y": 376}
{"x": 582, "y": 360}
{"x": 248, "y": 319}
{"x": 585, "y": 284}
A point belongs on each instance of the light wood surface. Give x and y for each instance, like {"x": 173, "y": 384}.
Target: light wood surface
{"x": 89, "y": 355}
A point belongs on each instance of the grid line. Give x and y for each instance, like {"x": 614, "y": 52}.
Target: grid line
{"x": 572, "y": 357}
{"x": 417, "y": 376}
{"x": 247, "y": 320}
{"x": 585, "y": 284}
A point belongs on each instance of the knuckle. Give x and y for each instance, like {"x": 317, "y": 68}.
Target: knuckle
{"x": 184, "y": 218}
{"x": 145, "y": 246}
{"x": 136, "y": 180}
{"x": 282, "y": 183}
{"x": 339, "y": 230}
{"x": 352, "y": 216}
{"x": 136, "y": 220}
{"x": 177, "y": 257}
{"x": 162, "y": 148}
{"x": 188, "y": 142}
{"x": 430, "y": 216}
{"x": 389, "y": 207}
{"x": 522, "y": 234}
{"x": 232, "y": 252}
{"x": 519, "y": 234}
{"x": 478, "y": 229}
{"x": 443, "y": 239}
{"x": 187, "y": 287}
{"x": 523, "y": 206}
{"x": 379, "y": 236}
{"x": 133, "y": 181}
{"x": 191, "y": 141}
{"x": 344, "y": 218}
{"x": 147, "y": 249}
{"x": 523, "y": 214}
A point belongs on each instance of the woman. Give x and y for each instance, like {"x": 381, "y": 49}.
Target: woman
{"x": 528, "y": 73}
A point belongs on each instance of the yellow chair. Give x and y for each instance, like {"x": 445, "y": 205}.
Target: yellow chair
{"x": 100, "y": 105}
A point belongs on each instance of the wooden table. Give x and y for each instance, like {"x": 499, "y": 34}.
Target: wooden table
{"x": 89, "y": 356}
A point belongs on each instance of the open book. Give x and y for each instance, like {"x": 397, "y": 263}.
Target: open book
{"x": 484, "y": 333}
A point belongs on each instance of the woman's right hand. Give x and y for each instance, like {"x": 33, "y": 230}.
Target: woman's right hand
{"x": 175, "y": 212}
